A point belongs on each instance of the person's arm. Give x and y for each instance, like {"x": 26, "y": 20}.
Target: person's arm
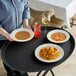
{"x": 25, "y": 23}
{"x": 6, "y": 34}
{"x": 26, "y": 16}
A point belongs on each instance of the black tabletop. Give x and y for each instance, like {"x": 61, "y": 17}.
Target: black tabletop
{"x": 20, "y": 56}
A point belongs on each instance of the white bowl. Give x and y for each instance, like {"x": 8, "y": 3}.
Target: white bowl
{"x": 22, "y": 29}
{"x": 37, "y": 51}
{"x": 54, "y": 31}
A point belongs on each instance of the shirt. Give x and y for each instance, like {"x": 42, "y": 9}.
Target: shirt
{"x": 11, "y": 14}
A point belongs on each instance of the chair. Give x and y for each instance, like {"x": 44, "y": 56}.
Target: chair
{"x": 36, "y": 16}
{"x": 56, "y": 22}
{"x": 73, "y": 20}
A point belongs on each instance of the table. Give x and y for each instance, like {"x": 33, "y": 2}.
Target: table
{"x": 63, "y": 9}
{"x": 20, "y": 56}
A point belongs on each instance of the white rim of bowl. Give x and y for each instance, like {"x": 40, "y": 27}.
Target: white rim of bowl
{"x": 37, "y": 50}
{"x": 54, "y": 31}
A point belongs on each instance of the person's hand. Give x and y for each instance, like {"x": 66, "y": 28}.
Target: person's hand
{"x": 9, "y": 37}
{"x": 28, "y": 27}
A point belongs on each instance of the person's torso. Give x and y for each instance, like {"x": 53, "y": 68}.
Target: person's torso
{"x": 11, "y": 12}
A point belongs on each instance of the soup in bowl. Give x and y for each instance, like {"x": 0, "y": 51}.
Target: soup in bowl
{"x": 22, "y": 35}
{"x": 58, "y": 36}
{"x": 49, "y": 53}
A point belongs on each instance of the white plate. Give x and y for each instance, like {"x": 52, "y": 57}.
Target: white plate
{"x": 22, "y": 29}
{"x": 37, "y": 51}
{"x": 54, "y": 31}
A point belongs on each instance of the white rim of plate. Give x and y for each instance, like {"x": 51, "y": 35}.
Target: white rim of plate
{"x": 37, "y": 50}
{"x": 62, "y": 31}
{"x": 22, "y": 29}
